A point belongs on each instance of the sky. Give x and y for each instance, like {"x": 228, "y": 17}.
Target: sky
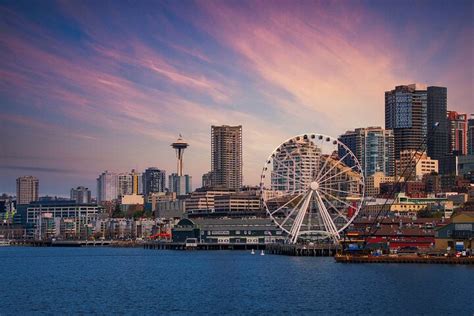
{"x": 88, "y": 86}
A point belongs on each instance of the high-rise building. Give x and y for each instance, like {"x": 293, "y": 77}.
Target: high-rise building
{"x": 470, "y": 135}
{"x": 413, "y": 165}
{"x": 207, "y": 180}
{"x": 226, "y": 156}
{"x": 180, "y": 184}
{"x": 125, "y": 183}
{"x": 107, "y": 187}
{"x": 437, "y": 142}
{"x": 27, "y": 189}
{"x": 457, "y": 131}
{"x": 81, "y": 195}
{"x": 137, "y": 182}
{"x": 373, "y": 147}
{"x": 405, "y": 114}
{"x": 154, "y": 180}
{"x": 295, "y": 165}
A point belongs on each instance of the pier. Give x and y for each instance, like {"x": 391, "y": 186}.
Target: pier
{"x": 63, "y": 243}
{"x": 302, "y": 250}
{"x": 403, "y": 259}
{"x": 202, "y": 246}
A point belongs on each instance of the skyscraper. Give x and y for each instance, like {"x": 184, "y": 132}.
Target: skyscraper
{"x": 373, "y": 147}
{"x": 180, "y": 184}
{"x": 207, "y": 180}
{"x": 27, "y": 189}
{"x": 81, "y": 195}
{"x": 125, "y": 183}
{"x": 137, "y": 182}
{"x": 470, "y": 135}
{"x": 406, "y": 115}
{"x": 457, "y": 132}
{"x": 295, "y": 165}
{"x": 107, "y": 187}
{"x": 437, "y": 142}
{"x": 154, "y": 180}
{"x": 226, "y": 156}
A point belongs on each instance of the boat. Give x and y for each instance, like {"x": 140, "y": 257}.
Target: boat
{"x": 262, "y": 253}
{"x": 253, "y": 252}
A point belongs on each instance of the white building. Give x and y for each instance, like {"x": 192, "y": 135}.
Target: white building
{"x": 107, "y": 187}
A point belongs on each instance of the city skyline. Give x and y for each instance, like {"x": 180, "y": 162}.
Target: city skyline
{"x": 87, "y": 87}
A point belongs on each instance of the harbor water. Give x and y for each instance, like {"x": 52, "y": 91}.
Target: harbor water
{"x": 101, "y": 280}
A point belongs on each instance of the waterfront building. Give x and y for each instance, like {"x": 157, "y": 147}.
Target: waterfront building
{"x": 457, "y": 235}
{"x": 470, "y": 135}
{"x": 26, "y": 190}
{"x": 373, "y": 147}
{"x": 180, "y": 184}
{"x": 414, "y": 165}
{"x": 372, "y": 183}
{"x": 46, "y": 220}
{"x": 224, "y": 231}
{"x": 405, "y": 205}
{"x": 406, "y": 115}
{"x": 107, "y": 187}
{"x": 81, "y": 195}
{"x": 154, "y": 180}
{"x": 437, "y": 142}
{"x": 226, "y": 157}
{"x": 457, "y": 131}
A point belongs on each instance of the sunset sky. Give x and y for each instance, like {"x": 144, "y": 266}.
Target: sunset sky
{"x": 87, "y": 86}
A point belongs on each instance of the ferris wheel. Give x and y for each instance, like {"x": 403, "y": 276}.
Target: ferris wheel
{"x": 312, "y": 187}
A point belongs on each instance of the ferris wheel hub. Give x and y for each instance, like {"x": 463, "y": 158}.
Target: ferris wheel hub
{"x": 314, "y": 185}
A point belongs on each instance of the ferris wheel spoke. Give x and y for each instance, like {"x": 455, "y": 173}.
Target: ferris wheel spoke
{"x": 296, "y": 227}
{"x": 336, "y": 198}
{"x": 322, "y": 168}
{"x": 339, "y": 173}
{"x": 327, "y": 220}
{"x": 294, "y": 198}
{"x": 335, "y": 209}
{"x": 316, "y": 215}
{"x": 335, "y": 165}
{"x": 293, "y": 210}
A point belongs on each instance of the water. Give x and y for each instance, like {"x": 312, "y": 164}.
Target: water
{"x": 137, "y": 281}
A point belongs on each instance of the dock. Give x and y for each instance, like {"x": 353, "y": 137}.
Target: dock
{"x": 341, "y": 258}
{"x": 202, "y": 246}
{"x": 303, "y": 250}
{"x": 62, "y": 243}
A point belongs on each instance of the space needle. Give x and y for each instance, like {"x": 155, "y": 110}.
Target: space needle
{"x": 180, "y": 145}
